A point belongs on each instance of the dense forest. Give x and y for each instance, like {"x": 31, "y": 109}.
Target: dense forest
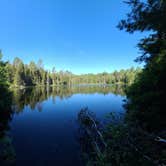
{"x": 148, "y": 92}
{"x": 141, "y": 138}
{"x": 6, "y": 114}
{"x": 20, "y": 74}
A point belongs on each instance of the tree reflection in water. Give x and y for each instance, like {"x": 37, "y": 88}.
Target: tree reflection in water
{"x": 7, "y": 152}
{"x": 34, "y": 96}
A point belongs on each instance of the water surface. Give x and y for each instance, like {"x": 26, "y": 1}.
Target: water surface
{"x": 44, "y": 127}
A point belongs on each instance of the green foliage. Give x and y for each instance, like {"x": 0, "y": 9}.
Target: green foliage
{"x": 149, "y": 15}
{"x": 3, "y": 76}
{"x": 5, "y": 96}
{"x": 128, "y": 146}
{"x": 7, "y": 154}
{"x": 117, "y": 77}
{"x": 20, "y": 74}
{"x": 133, "y": 143}
{"x": 147, "y": 94}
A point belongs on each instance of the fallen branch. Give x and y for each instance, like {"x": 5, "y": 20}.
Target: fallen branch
{"x": 159, "y": 139}
{"x": 90, "y": 126}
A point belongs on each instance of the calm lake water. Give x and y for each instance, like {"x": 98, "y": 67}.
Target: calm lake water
{"x": 44, "y": 128}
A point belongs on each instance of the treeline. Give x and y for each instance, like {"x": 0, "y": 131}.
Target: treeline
{"x": 7, "y": 153}
{"x": 117, "y": 77}
{"x": 136, "y": 141}
{"x": 5, "y": 95}
{"x": 148, "y": 92}
{"x": 20, "y": 74}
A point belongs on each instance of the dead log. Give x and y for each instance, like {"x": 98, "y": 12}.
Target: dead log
{"x": 89, "y": 125}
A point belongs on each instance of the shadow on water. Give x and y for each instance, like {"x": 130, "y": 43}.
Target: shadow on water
{"x": 7, "y": 152}
{"x": 40, "y": 138}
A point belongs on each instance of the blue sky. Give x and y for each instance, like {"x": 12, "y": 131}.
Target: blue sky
{"x": 76, "y": 35}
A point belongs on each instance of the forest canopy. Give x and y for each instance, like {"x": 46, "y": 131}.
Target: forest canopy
{"x": 147, "y": 94}
{"x": 20, "y": 74}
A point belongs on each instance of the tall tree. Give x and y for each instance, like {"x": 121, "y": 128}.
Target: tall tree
{"x": 5, "y": 96}
{"x": 147, "y": 95}
{"x": 19, "y": 72}
{"x": 54, "y": 77}
{"x": 3, "y": 76}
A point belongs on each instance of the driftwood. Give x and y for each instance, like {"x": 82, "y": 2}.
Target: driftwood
{"x": 89, "y": 125}
{"x": 98, "y": 143}
{"x": 155, "y": 162}
{"x": 153, "y": 137}
{"x": 159, "y": 139}
{"x": 149, "y": 137}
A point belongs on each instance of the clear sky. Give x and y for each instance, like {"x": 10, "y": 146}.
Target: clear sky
{"x": 76, "y": 35}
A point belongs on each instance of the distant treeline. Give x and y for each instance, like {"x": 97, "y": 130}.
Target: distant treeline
{"x": 20, "y": 74}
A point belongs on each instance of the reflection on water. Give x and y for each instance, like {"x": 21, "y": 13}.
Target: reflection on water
{"x": 7, "y": 152}
{"x": 33, "y": 96}
{"x": 44, "y": 127}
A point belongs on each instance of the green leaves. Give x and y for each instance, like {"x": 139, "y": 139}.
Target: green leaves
{"x": 149, "y": 15}
{"x": 146, "y": 95}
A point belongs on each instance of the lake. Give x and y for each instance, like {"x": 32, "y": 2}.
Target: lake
{"x": 44, "y": 127}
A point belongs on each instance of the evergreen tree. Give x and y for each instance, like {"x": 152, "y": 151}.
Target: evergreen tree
{"x": 19, "y": 75}
{"x": 5, "y": 96}
{"x": 147, "y": 94}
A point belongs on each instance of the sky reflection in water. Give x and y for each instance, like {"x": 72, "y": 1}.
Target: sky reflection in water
{"x": 44, "y": 127}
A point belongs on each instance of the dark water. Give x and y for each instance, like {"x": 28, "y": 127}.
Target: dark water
{"x": 44, "y": 127}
